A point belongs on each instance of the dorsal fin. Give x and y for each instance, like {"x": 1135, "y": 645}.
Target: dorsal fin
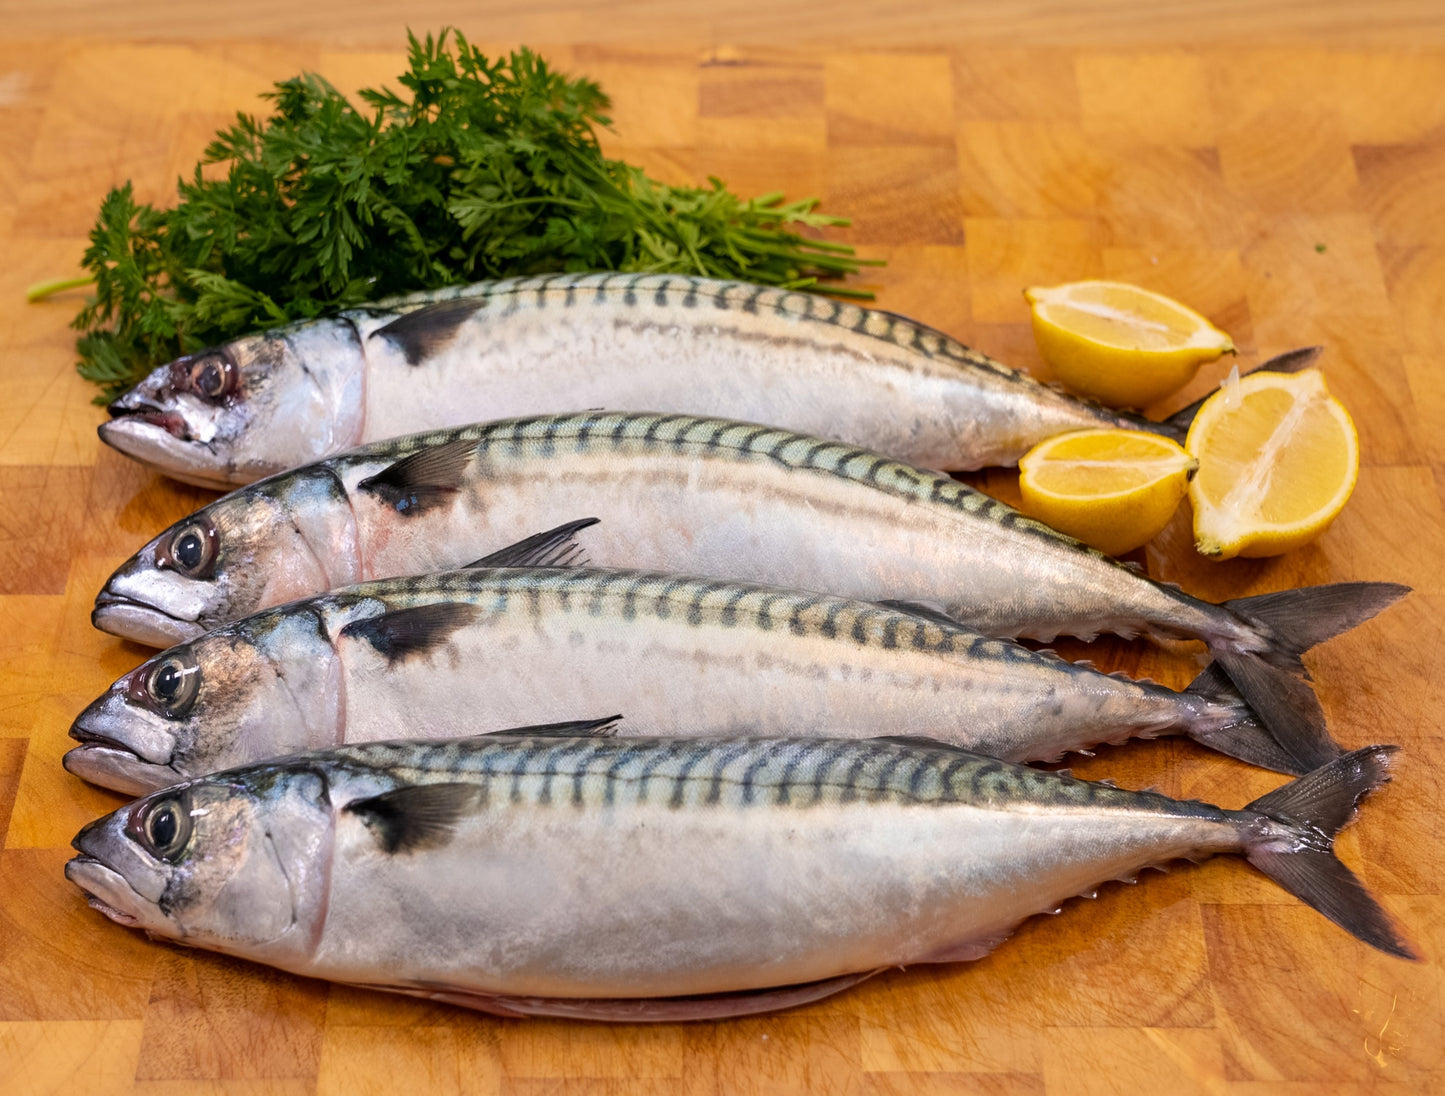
{"x": 423, "y": 479}
{"x": 420, "y": 816}
{"x": 555, "y": 548}
{"x": 420, "y": 334}
{"x": 416, "y": 630}
{"x": 573, "y": 728}
{"x": 934, "y": 614}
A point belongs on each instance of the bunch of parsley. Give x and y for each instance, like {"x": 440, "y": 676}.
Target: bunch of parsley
{"x": 483, "y": 169}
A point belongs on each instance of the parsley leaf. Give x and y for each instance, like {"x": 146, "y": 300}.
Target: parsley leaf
{"x": 476, "y": 169}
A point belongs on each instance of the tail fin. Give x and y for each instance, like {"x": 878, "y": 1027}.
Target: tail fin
{"x": 1274, "y": 681}
{"x": 1299, "y": 619}
{"x": 1244, "y": 737}
{"x": 1291, "y": 361}
{"x": 1314, "y": 808}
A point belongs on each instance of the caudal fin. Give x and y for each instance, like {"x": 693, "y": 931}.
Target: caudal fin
{"x": 1240, "y": 734}
{"x": 1312, "y": 810}
{"x": 1274, "y": 681}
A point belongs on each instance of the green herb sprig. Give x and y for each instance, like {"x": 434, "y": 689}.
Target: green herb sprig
{"x": 478, "y": 169}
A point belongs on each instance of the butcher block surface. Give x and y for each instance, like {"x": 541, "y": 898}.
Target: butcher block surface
{"x": 1293, "y": 194}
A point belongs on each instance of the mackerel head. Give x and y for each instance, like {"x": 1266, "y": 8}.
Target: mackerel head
{"x": 235, "y": 412}
{"x": 272, "y": 542}
{"x": 271, "y": 681}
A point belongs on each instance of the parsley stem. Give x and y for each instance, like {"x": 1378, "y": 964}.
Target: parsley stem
{"x": 40, "y": 290}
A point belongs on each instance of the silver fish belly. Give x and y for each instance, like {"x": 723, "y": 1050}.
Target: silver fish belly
{"x": 567, "y": 341}
{"x": 445, "y": 654}
{"x": 533, "y": 874}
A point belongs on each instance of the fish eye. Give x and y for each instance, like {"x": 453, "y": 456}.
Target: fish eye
{"x": 191, "y": 549}
{"x": 172, "y": 684}
{"x": 165, "y": 827}
{"x": 213, "y": 375}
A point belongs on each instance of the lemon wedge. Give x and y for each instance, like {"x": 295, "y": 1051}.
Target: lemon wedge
{"x": 1112, "y": 489}
{"x": 1278, "y": 458}
{"x": 1121, "y": 344}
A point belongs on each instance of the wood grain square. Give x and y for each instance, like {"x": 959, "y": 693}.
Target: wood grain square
{"x": 1250, "y": 85}
{"x": 1102, "y": 1061}
{"x": 1268, "y": 1036}
{"x": 941, "y": 1018}
{"x": 814, "y": 1051}
{"x": 96, "y": 1057}
{"x": 29, "y": 632}
{"x": 1410, "y": 803}
{"x": 765, "y": 109}
{"x": 948, "y": 1084}
{"x": 1027, "y": 169}
{"x": 1148, "y": 98}
{"x": 1166, "y": 196}
{"x": 294, "y": 1086}
{"x": 1291, "y": 161}
{"x": 1401, "y": 188}
{"x": 753, "y": 85}
{"x": 555, "y": 1048}
{"x": 1305, "y": 267}
{"x": 1427, "y": 395}
{"x": 903, "y": 195}
{"x": 1003, "y": 84}
{"x": 46, "y": 973}
{"x": 39, "y": 525}
{"x": 128, "y": 504}
{"x": 757, "y": 104}
{"x": 1007, "y": 256}
{"x": 1415, "y": 281}
{"x": 46, "y": 414}
{"x": 204, "y": 1022}
{"x": 654, "y": 92}
{"x": 356, "y": 1061}
{"x": 12, "y": 759}
{"x": 51, "y": 805}
{"x": 889, "y": 99}
{"x": 1388, "y": 96}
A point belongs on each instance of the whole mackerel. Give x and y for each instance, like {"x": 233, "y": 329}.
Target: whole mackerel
{"x": 561, "y": 342}
{"x": 487, "y": 648}
{"x": 673, "y": 879}
{"x": 712, "y": 497}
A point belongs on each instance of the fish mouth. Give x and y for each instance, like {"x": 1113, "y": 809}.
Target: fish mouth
{"x": 136, "y": 620}
{"x": 164, "y": 441}
{"x": 171, "y": 422}
{"x": 102, "y": 760}
{"x": 92, "y": 876}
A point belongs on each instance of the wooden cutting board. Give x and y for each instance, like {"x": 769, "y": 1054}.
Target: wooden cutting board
{"x": 1293, "y": 195}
